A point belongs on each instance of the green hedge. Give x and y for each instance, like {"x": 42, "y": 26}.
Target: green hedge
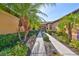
{"x": 46, "y": 38}
{"x": 74, "y": 43}
{"x": 18, "y": 50}
{"x": 8, "y": 40}
{"x": 49, "y": 31}
{"x": 63, "y": 37}
{"x": 9, "y": 45}
{"x": 31, "y": 33}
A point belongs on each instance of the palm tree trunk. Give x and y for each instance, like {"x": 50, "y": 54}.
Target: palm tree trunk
{"x": 19, "y": 25}
{"x": 19, "y": 33}
{"x": 25, "y": 24}
{"x": 26, "y": 38}
{"x": 69, "y": 32}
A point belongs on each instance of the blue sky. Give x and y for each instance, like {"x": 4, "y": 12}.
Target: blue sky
{"x": 58, "y": 11}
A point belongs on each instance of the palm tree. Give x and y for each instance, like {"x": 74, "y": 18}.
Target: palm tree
{"x": 69, "y": 21}
{"x": 26, "y": 13}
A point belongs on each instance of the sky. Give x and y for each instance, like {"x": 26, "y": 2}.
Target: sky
{"x": 59, "y": 10}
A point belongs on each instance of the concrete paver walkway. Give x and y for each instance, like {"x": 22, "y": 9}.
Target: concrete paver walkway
{"x": 62, "y": 49}
{"x": 39, "y": 48}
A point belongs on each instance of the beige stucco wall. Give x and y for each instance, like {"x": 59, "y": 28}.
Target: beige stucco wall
{"x": 8, "y": 23}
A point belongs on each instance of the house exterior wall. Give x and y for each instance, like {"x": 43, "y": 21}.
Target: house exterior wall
{"x": 52, "y": 26}
{"x": 8, "y": 23}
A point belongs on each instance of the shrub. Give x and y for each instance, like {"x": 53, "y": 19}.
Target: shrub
{"x": 18, "y": 50}
{"x": 22, "y": 34}
{"x": 46, "y": 38}
{"x": 11, "y": 45}
{"x": 49, "y": 31}
{"x": 63, "y": 37}
{"x": 74, "y": 43}
{"x": 8, "y": 40}
{"x": 61, "y": 34}
{"x": 54, "y": 32}
{"x": 31, "y": 33}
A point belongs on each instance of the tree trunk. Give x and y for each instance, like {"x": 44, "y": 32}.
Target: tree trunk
{"x": 19, "y": 33}
{"x": 25, "y": 37}
{"x": 70, "y": 31}
{"x": 19, "y": 25}
{"x": 25, "y": 24}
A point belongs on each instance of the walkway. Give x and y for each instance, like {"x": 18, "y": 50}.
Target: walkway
{"x": 62, "y": 49}
{"x": 38, "y": 49}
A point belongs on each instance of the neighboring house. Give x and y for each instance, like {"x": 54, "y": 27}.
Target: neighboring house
{"x": 53, "y": 26}
{"x": 8, "y": 23}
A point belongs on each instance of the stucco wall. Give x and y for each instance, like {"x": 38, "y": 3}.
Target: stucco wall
{"x": 52, "y": 26}
{"x": 8, "y": 23}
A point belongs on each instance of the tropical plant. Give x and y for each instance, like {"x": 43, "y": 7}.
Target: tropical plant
{"x": 68, "y": 22}
{"x": 9, "y": 40}
{"x": 18, "y": 50}
{"x": 74, "y": 43}
{"x": 45, "y": 37}
{"x": 27, "y": 13}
